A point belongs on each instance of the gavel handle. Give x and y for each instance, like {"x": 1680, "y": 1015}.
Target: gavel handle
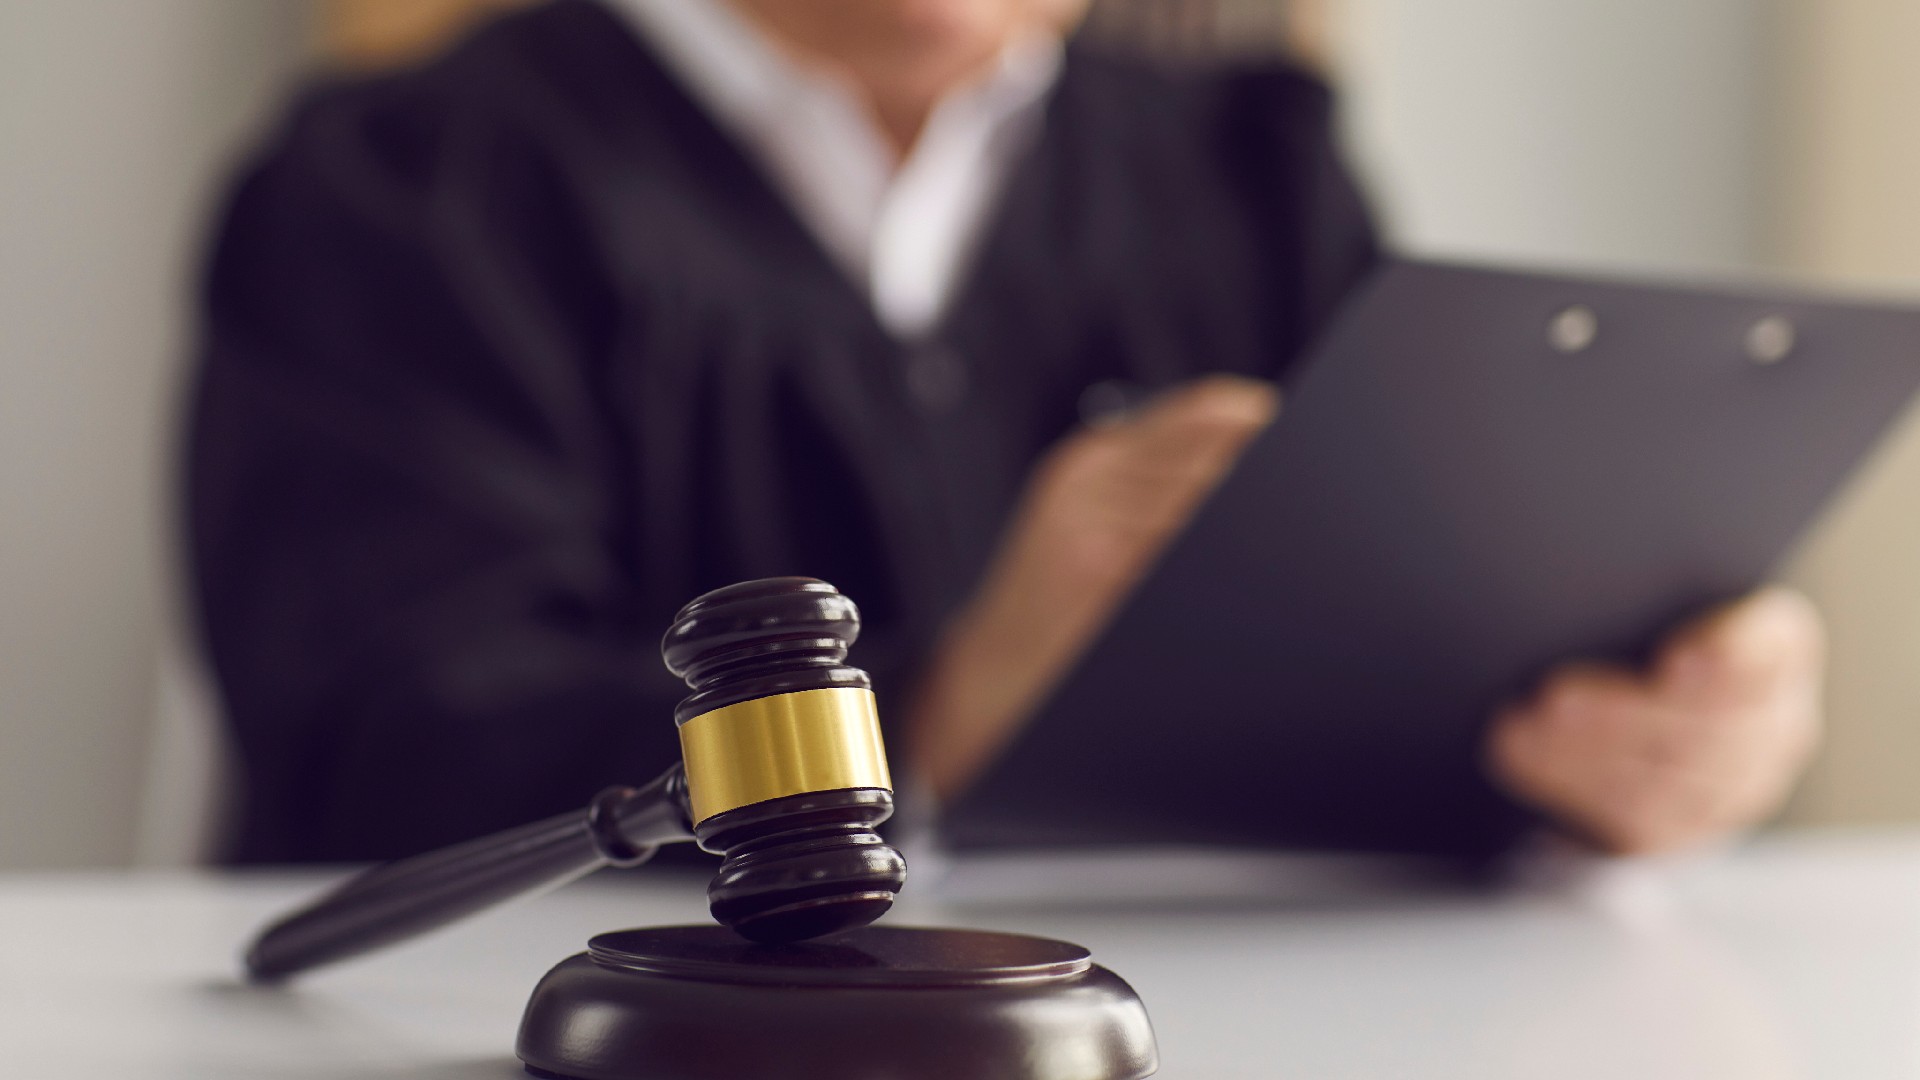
{"x": 390, "y": 903}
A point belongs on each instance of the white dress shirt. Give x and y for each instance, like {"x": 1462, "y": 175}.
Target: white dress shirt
{"x": 907, "y": 231}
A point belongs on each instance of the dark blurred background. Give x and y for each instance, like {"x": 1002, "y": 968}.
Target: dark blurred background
{"x": 1713, "y": 136}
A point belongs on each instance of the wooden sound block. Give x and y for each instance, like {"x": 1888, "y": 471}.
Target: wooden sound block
{"x": 878, "y": 1003}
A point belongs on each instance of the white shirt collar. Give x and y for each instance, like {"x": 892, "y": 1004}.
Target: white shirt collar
{"x": 906, "y": 234}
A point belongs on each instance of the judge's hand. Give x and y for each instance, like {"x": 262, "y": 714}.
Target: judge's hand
{"x": 1710, "y": 741}
{"x": 1096, "y": 512}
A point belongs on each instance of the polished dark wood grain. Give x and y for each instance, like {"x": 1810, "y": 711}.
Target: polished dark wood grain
{"x": 878, "y": 1003}
{"x": 400, "y": 900}
{"x": 760, "y": 638}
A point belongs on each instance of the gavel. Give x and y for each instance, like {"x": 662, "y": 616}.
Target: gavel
{"x": 782, "y": 772}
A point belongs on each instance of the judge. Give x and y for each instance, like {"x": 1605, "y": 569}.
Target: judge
{"x": 507, "y": 356}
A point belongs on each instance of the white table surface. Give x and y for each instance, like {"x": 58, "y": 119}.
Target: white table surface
{"x": 1799, "y": 956}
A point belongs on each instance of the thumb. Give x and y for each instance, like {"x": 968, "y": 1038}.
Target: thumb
{"x": 1207, "y": 420}
{"x": 1768, "y": 642}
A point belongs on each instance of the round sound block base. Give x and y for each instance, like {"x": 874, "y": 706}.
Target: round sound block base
{"x": 878, "y": 1003}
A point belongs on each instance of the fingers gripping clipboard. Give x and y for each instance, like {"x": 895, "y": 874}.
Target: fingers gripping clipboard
{"x": 1477, "y": 474}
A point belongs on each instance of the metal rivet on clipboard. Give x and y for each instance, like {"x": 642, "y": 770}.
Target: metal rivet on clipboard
{"x": 1770, "y": 340}
{"x": 1573, "y": 329}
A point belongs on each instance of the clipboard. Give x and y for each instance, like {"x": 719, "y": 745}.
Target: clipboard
{"x": 1477, "y": 474}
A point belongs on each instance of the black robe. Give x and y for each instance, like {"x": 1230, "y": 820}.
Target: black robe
{"x": 508, "y": 356}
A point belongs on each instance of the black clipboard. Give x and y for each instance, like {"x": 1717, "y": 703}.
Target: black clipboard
{"x": 1478, "y": 473}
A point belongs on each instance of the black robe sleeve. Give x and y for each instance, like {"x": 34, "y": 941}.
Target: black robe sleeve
{"x": 1277, "y": 137}
{"x": 409, "y": 562}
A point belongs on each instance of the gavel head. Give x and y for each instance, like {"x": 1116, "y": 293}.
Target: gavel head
{"x": 786, "y": 773}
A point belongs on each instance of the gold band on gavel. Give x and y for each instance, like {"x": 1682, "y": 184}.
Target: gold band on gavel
{"x": 787, "y": 744}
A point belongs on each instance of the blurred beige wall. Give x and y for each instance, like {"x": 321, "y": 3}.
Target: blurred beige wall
{"x": 114, "y": 118}
{"x": 1846, "y": 203}
{"x": 1619, "y": 134}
